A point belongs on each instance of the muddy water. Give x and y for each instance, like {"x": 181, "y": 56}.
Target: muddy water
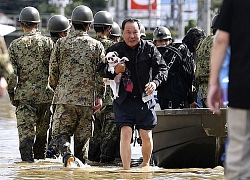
{"x": 11, "y": 166}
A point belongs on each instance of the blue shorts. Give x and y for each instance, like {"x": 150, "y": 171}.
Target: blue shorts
{"x": 134, "y": 112}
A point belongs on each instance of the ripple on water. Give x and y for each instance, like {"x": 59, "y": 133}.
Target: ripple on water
{"x": 11, "y": 166}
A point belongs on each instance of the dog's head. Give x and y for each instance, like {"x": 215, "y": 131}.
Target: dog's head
{"x": 112, "y": 57}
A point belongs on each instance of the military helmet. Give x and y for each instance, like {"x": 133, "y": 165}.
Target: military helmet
{"x": 81, "y": 14}
{"x": 29, "y": 14}
{"x": 213, "y": 21}
{"x": 104, "y": 18}
{"x": 161, "y": 33}
{"x": 115, "y": 30}
{"x": 58, "y": 23}
{"x": 142, "y": 30}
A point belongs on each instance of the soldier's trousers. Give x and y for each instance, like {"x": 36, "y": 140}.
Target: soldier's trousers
{"x": 104, "y": 145}
{"x": 32, "y": 123}
{"x": 69, "y": 120}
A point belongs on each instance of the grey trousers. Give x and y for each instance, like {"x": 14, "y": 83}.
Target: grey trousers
{"x": 238, "y": 152}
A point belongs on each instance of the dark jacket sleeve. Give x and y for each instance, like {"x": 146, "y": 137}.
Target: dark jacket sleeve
{"x": 160, "y": 72}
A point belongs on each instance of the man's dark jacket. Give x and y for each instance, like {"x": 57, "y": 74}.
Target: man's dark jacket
{"x": 150, "y": 66}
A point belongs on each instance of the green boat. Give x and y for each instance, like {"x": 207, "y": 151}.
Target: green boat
{"x": 189, "y": 138}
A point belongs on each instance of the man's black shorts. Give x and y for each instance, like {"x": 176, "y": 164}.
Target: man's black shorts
{"x": 134, "y": 112}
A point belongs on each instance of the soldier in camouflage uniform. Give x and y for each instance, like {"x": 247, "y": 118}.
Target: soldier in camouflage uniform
{"x": 74, "y": 79}
{"x": 202, "y": 64}
{"x": 115, "y": 32}
{"x": 58, "y": 26}
{"x": 104, "y": 146}
{"x": 5, "y": 66}
{"x": 27, "y": 85}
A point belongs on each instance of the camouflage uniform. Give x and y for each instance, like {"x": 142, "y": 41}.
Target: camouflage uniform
{"x": 202, "y": 67}
{"x": 28, "y": 91}
{"x": 5, "y": 64}
{"x": 54, "y": 39}
{"x": 5, "y": 67}
{"x": 52, "y": 151}
{"x": 74, "y": 78}
{"x": 104, "y": 146}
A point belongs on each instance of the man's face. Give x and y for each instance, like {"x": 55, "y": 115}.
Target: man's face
{"x": 162, "y": 42}
{"x": 131, "y": 34}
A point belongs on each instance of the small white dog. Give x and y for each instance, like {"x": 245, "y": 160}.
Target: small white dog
{"x": 113, "y": 59}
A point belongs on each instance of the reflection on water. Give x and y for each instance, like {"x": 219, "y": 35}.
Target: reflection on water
{"x": 11, "y": 166}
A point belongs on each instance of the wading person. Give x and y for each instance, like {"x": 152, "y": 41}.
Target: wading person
{"x": 74, "y": 79}
{"x": 58, "y": 26}
{"x": 180, "y": 62}
{"x": 104, "y": 145}
{"x": 231, "y": 32}
{"x": 5, "y": 66}
{"x": 202, "y": 64}
{"x": 27, "y": 85}
{"x": 144, "y": 71}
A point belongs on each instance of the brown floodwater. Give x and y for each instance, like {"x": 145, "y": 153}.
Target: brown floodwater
{"x": 11, "y": 166}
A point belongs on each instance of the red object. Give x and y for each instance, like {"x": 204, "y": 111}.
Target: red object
{"x": 129, "y": 87}
{"x": 135, "y": 5}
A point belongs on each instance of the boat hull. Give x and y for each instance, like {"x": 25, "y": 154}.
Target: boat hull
{"x": 189, "y": 138}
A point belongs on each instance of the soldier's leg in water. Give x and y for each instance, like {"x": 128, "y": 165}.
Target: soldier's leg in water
{"x": 82, "y": 133}
{"x": 64, "y": 120}
{"x": 95, "y": 141}
{"x": 110, "y": 141}
{"x": 26, "y": 118}
{"x": 52, "y": 151}
{"x": 42, "y": 126}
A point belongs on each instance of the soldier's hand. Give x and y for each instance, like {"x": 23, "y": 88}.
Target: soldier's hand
{"x": 120, "y": 67}
{"x": 3, "y": 86}
{"x": 97, "y": 106}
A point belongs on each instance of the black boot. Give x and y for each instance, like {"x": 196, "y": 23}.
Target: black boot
{"x": 26, "y": 150}
{"x": 39, "y": 148}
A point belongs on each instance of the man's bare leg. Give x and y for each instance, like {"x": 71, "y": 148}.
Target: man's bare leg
{"x": 147, "y": 146}
{"x": 125, "y": 149}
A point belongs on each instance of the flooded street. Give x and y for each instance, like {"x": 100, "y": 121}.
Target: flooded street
{"x": 11, "y": 166}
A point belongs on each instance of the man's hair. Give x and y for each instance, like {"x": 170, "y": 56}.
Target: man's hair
{"x": 101, "y": 27}
{"x": 130, "y": 20}
{"x": 80, "y": 26}
{"x": 56, "y": 34}
{"x": 193, "y": 37}
{"x": 28, "y": 24}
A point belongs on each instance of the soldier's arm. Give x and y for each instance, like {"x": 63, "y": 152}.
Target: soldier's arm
{"x": 54, "y": 67}
{"x": 160, "y": 72}
{"x": 12, "y": 77}
{"x": 99, "y": 80}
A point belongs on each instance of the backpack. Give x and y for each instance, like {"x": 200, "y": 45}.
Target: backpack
{"x": 172, "y": 56}
{"x": 180, "y": 66}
